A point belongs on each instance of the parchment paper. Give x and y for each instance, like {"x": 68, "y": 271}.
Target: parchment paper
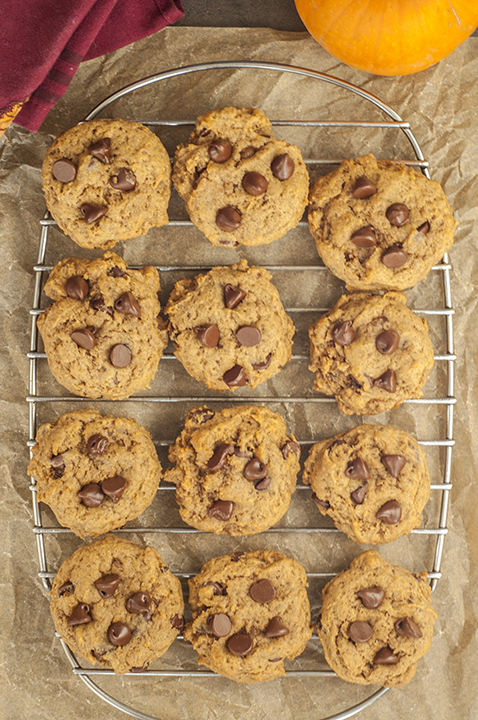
{"x": 440, "y": 104}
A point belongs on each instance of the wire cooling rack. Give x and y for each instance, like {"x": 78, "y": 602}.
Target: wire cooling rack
{"x": 435, "y": 528}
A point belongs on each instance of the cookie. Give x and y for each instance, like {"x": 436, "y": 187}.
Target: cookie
{"x": 235, "y": 469}
{"x": 95, "y": 472}
{"x": 229, "y": 327}
{"x": 116, "y": 604}
{"x": 373, "y": 482}
{"x": 370, "y": 351}
{"x": 250, "y": 611}
{"x": 379, "y": 225}
{"x": 106, "y": 181}
{"x": 241, "y": 185}
{"x": 376, "y": 622}
{"x": 101, "y": 335}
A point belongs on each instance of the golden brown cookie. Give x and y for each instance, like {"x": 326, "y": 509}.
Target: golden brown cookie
{"x": 106, "y": 181}
{"x": 250, "y": 612}
{"x": 101, "y": 335}
{"x": 379, "y": 225}
{"x": 235, "y": 469}
{"x": 241, "y": 185}
{"x": 376, "y": 622}
{"x": 116, "y": 604}
{"x": 373, "y": 482}
{"x": 95, "y": 472}
{"x": 370, "y": 351}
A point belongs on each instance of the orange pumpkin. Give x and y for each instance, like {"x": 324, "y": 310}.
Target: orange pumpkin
{"x": 389, "y": 37}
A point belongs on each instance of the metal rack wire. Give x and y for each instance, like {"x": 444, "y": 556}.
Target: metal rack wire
{"x": 447, "y": 357}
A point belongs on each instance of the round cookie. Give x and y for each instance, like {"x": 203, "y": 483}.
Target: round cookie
{"x": 240, "y": 184}
{"x": 373, "y": 482}
{"x": 101, "y": 335}
{"x": 95, "y": 472}
{"x": 106, "y": 181}
{"x": 229, "y": 327}
{"x": 235, "y": 469}
{"x": 376, "y": 622}
{"x": 379, "y": 225}
{"x": 370, "y": 351}
{"x": 250, "y": 612}
{"x": 116, "y": 604}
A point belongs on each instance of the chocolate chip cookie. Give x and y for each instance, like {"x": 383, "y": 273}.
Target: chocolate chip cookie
{"x": 373, "y": 482}
{"x": 370, "y": 351}
{"x": 250, "y": 612}
{"x": 376, "y": 622}
{"x": 229, "y": 327}
{"x": 101, "y": 335}
{"x": 241, "y": 185}
{"x": 379, "y": 225}
{"x": 95, "y": 472}
{"x": 116, "y": 604}
{"x": 106, "y": 181}
{"x": 235, "y": 469}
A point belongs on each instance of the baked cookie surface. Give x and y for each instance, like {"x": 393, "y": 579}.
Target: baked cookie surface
{"x": 229, "y": 327}
{"x": 373, "y": 482}
{"x": 116, "y": 604}
{"x": 235, "y": 469}
{"x": 379, "y": 225}
{"x": 370, "y": 351}
{"x": 241, "y": 185}
{"x": 95, "y": 472}
{"x": 250, "y": 612}
{"x": 376, "y": 622}
{"x": 106, "y": 181}
{"x": 101, "y": 335}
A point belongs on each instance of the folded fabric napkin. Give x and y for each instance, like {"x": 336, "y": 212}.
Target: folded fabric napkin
{"x": 43, "y": 42}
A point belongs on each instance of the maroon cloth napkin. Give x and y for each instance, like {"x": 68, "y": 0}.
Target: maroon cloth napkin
{"x": 43, "y": 42}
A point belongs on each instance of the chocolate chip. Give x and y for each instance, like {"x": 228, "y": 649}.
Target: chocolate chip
{"x": 390, "y": 512}
{"x": 394, "y": 464}
{"x": 263, "y": 365}
{"x": 101, "y": 150}
{"x": 343, "y": 333}
{"x": 116, "y": 272}
{"x": 77, "y": 287}
{"x": 140, "y": 604}
{"x": 424, "y": 228}
{"x": 218, "y": 459}
{"x": 248, "y": 335}
{"x": 324, "y": 504}
{"x": 255, "y": 470}
{"x": 387, "y": 381}
{"x": 387, "y": 342}
{"x": 208, "y": 335}
{"x": 91, "y": 213}
{"x": 262, "y": 591}
{"x": 219, "y": 150}
{"x": 241, "y": 453}
{"x": 141, "y": 669}
{"x": 119, "y": 634}
{"x": 99, "y": 304}
{"x": 385, "y": 657}
{"x": 107, "y": 584}
{"x": 114, "y": 487}
{"x": 358, "y": 495}
{"x": 91, "y": 495}
{"x": 360, "y": 631}
{"x": 200, "y": 415}
{"x": 67, "y": 587}
{"x": 84, "y": 338}
{"x": 128, "y": 305}
{"x": 218, "y": 589}
{"x": 236, "y": 377}
{"x": 365, "y": 237}
{"x": 276, "y": 628}
{"x": 394, "y": 257}
{"x": 97, "y": 444}
{"x": 80, "y": 615}
{"x": 177, "y": 622}
{"x": 397, "y": 214}
{"x": 120, "y": 356}
{"x": 64, "y": 170}
{"x": 254, "y": 183}
{"x": 282, "y": 167}
{"x": 357, "y": 469}
{"x": 275, "y": 659}
{"x": 228, "y": 219}
{"x": 58, "y": 465}
{"x": 263, "y": 484}
{"x": 371, "y": 597}
{"x": 236, "y": 555}
{"x": 233, "y": 296}
{"x": 407, "y": 627}
{"x": 363, "y": 188}
{"x": 219, "y": 624}
{"x": 240, "y": 644}
{"x": 125, "y": 180}
{"x": 291, "y": 447}
{"x": 221, "y": 509}
{"x": 248, "y": 152}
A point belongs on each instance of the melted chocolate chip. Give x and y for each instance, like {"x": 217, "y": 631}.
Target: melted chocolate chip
{"x": 97, "y": 444}
{"x": 116, "y": 272}
{"x": 357, "y": 469}
{"x": 218, "y": 589}
{"x": 177, "y": 622}
{"x": 236, "y": 377}
{"x": 343, "y": 333}
{"x": 407, "y": 627}
{"x": 67, "y": 587}
{"x": 324, "y": 504}
{"x": 290, "y": 447}
{"x": 233, "y": 296}
{"x": 219, "y": 625}
{"x": 128, "y": 305}
{"x": 221, "y": 509}
{"x": 120, "y": 356}
{"x": 77, "y": 287}
{"x": 360, "y": 631}
{"x": 80, "y": 615}
{"x": 394, "y": 464}
{"x": 101, "y": 150}
{"x": 363, "y": 188}
{"x": 397, "y": 214}
{"x": 107, "y": 584}
{"x": 387, "y": 342}
{"x": 218, "y": 459}
{"x": 387, "y": 381}
{"x": 394, "y": 257}
{"x": 208, "y": 335}
{"x": 276, "y": 628}
{"x": 385, "y": 657}
{"x": 240, "y": 644}
{"x": 125, "y": 180}
{"x": 254, "y": 183}
{"x": 114, "y": 487}
{"x": 358, "y": 495}
{"x": 228, "y": 219}
{"x": 248, "y": 152}
{"x": 390, "y": 513}
{"x": 200, "y": 415}
{"x": 220, "y": 150}
{"x": 92, "y": 213}
{"x": 282, "y": 167}
{"x": 236, "y": 555}
{"x": 262, "y": 591}
{"x": 84, "y": 338}
{"x": 140, "y": 604}
{"x": 255, "y": 470}
{"x": 58, "y": 465}
{"x": 248, "y": 335}
{"x": 141, "y": 669}
{"x": 99, "y": 304}
{"x": 64, "y": 170}
{"x": 91, "y": 495}
{"x": 263, "y": 365}
{"x": 365, "y": 237}
{"x": 119, "y": 634}
{"x": 371, "y": 597}
{"x": 263, "y": 484}
{"x": 424, "y": 228}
